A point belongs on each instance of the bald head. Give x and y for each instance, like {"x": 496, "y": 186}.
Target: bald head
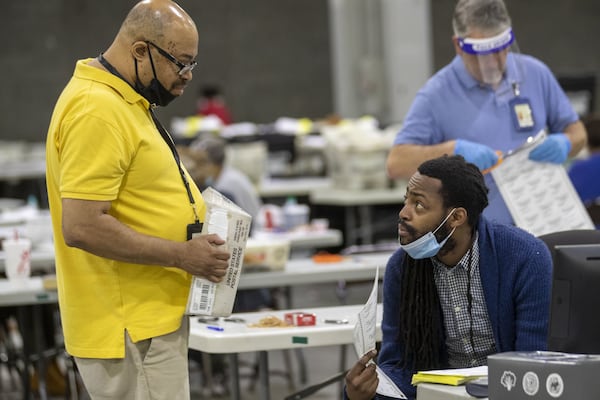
{"x": 157, "y": 21}
{"x": 164, "y": 25}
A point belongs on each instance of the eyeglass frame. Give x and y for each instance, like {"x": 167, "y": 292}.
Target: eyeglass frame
{"x": 183, "y": 68}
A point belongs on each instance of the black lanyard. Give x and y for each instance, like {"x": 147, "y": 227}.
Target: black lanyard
{"x": 164, "y": 134}
{"x": 470, "y": 299}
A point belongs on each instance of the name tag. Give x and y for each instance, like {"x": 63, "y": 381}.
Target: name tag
{"x": 193, "y": 230}
{"x": 522, "y": 114}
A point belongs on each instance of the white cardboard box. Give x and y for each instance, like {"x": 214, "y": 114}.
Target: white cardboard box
{"x": 229, "y": 221}
{"x": 271, "y": 254}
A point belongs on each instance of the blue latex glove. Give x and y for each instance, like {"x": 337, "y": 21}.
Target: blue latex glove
{"x": 476, "y": 153}
{"x": 555, "y": 149}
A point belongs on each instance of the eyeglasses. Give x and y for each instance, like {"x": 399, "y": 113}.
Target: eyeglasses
{"x": 183, "y": 68}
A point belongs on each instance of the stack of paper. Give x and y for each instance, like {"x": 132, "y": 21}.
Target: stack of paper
{"x": 450, "y": 376}
{"x": 539, "y": 195}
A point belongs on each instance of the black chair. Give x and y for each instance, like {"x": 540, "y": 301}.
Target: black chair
{"x": 570, "y": 237}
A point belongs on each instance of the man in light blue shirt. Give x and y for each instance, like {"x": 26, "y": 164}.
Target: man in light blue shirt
{"x": 487, "y": 101}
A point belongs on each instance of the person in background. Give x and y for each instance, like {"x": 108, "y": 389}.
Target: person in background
{"x": 210, "y": 169}
{"x": 584, "y": 173}
{"x": 460, "y": 287}
{"x": 123, "y": 209}
{"x": 488, "y": 100}
{"x": 211, "y": 102}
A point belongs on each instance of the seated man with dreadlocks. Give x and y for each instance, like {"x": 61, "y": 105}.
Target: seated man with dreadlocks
{"x": 460, "y": 287}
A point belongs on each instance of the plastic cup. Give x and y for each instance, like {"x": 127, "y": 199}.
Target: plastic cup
{"x": 17, "y": 261}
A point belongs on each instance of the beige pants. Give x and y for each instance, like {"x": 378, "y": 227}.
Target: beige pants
{"x": 153, "y": 369}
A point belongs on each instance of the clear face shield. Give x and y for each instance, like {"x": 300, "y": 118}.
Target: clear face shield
{"x": 490, "y": 60}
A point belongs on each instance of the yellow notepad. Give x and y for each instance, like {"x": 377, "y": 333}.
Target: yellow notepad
{"x": 453, "y": 377}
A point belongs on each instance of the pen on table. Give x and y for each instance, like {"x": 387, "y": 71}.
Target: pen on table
{"x": 215, "y": 328}
{"x": 336, "y": 321}
{"x": 206, "y": 320}
{"x": 234, "y": 319}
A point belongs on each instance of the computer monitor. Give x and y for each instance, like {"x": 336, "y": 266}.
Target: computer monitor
{"x": 574, "y": 322}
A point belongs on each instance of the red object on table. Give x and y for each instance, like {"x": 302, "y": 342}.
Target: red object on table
{"x": 299, "y": 318}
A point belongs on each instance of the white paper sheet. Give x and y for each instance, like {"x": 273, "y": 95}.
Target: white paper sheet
{"x": 387, "y": 387}
{"x": 365, "y": 339}
{"x": 366, "y": 325}
{"x": 540, "y": 196}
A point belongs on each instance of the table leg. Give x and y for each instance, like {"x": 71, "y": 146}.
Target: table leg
{"x": 263, "y": 374}
{"x": 287, "y": 292}
{"x": 302, "y": 370}
{"x": 366, "y": 224}
{"x": 33, "y": 349}
{"x": 39, "y": 349}
{"x": 351, "y": 229}
{"x": 342, "y": 365}
{"x": 72, "y": 378}
{"x": 341, "y": 291}
{"x": 43, "y": 193}
{"x": 207, "y": 372}
{"x": 23, "y": 320}
{"x": 234, "y": 376}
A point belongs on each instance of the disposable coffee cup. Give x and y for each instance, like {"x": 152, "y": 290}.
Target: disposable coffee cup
{"x": 17, "y": 261}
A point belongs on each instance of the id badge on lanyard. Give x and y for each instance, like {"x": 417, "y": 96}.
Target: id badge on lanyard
{"x": 194, "y": 230}
{"x": 521, "y": 112}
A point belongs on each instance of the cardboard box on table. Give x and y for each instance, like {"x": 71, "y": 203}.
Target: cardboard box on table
{"x": 231, "y": 223}
{"x": 543, "y": 375}
{"x": 266, "y": 254}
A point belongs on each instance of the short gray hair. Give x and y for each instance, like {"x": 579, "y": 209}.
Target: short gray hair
{"x": 485, "y": 15}
{"x": 214, "y": 148}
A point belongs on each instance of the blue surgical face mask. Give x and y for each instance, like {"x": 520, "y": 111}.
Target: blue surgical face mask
{"x": 427, "y": 245}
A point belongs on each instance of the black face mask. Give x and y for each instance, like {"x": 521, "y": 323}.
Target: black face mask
{"x": 155, "y": 92}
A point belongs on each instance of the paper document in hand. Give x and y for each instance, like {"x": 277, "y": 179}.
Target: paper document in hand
{"x": 454, "y": 377}
{"x": 365, "y": 339}
{"x": 232, "y": 224}
{"x": 365, "y": 329}
{"x": 387, "y": 387}
{"x": 539, "y": 195}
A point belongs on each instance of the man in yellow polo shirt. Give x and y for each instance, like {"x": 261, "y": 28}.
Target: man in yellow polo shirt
{"x": 123, "y": 209}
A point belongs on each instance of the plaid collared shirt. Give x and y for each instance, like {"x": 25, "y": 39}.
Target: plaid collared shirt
{"x": 452, "y": 285}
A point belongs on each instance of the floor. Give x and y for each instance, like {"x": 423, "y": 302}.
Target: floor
{"x": 321, "y": 362}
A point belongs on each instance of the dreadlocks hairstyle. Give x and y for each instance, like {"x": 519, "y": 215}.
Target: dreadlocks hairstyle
{"x": 420, "y": 325}
{"x": 420, "y": 319}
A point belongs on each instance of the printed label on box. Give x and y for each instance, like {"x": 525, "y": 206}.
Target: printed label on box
{"x": 229, "y": 221}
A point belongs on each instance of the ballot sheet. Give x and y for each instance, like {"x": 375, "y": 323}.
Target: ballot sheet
{"x": 539, "y": 196}
{"x": 365, "y": 338}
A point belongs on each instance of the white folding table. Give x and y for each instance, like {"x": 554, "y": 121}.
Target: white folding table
{"x": 238, "y": 337}
{"x": 304, "y": 271}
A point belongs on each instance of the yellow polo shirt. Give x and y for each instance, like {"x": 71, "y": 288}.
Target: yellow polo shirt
{"x": 102, "y": 145}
